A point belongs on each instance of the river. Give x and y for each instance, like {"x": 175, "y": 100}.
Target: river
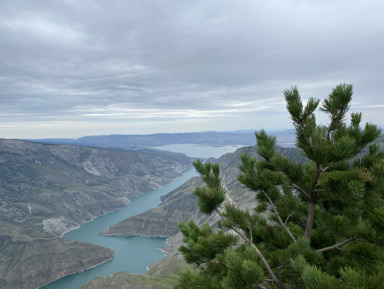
{"x": 132, "y": 253}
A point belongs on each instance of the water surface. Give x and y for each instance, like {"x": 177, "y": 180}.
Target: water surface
{"x": 199, "y": 151}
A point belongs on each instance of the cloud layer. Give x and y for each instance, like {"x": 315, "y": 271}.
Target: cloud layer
{"x": 73, "y": 68}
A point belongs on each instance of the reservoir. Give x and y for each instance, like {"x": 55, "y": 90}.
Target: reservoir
{"x": 133, "y": 253}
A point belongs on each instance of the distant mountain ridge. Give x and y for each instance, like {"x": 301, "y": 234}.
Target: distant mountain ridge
{"x": 212, "y": 138}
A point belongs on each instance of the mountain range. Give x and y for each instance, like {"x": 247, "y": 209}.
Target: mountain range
{"x": 52, "y": 186}
{"x": 212, "y": 138}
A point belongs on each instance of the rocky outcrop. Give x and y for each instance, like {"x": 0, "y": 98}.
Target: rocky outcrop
{"x": 179, "y": 205}
{"x": 30, "y": 258}
{"x": 57, "y": 187}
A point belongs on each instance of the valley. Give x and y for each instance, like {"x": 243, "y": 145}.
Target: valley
{"x": 51, "y": 189}
{"x": 47, "y": 190}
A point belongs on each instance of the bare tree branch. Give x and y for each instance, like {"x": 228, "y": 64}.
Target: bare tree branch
{"x": 339, "y": 244}
{"x": 279, "y": 218}
{"x": 301, "y": 190}
{"x": 319, "y": 190}
{"x": 286, "y": 220}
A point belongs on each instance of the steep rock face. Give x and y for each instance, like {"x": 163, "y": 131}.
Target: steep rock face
{"x": 57, "y": 187}
{"x": 178, "y": 205}
{"x": 30, "y": 259}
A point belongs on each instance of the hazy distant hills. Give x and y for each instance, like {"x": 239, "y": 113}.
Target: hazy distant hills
{"x": 285, "y": 138}
{"x": 46, "y": 189}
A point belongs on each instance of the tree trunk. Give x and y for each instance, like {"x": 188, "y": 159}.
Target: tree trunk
{"x": 310, "y": 218}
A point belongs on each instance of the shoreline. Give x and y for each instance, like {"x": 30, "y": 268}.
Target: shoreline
{"x": 130, "y": 201}
{"x": 88, "y": 268}
{"x": 95, "y": 217}
{"x": 140, "y": 235}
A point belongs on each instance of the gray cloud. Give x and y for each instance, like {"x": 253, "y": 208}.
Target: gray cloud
{"x": 73, "y": 68}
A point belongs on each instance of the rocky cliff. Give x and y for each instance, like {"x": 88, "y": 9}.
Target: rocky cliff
{"x": 30, "y": 258}
{"x": 179, "y": 205}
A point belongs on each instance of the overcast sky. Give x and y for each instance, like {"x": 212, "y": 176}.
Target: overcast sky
{"x": 71, "y": 68}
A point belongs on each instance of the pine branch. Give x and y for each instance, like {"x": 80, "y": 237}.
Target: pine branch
{"x": 301, "y": 190}
{"x": 279, "y": 218}
{"x": 278, "y": 283}
{"x": 294, "y": 186}
{"x": 338, "y": 244}
{"x": 319, "y": 190}
{"x": 326, "y": 138}
{"x": 290, "y": 215}
{"x": 319, "y": 170}
{"x": 334, "y": 118}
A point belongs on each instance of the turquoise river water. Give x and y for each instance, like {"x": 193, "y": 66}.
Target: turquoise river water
{"x": 132, "y": 253}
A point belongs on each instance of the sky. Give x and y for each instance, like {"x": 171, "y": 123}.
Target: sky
{"x": 72, "y": 68}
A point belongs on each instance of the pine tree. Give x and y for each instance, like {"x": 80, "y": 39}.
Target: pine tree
{"x": 318, "y": 224}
